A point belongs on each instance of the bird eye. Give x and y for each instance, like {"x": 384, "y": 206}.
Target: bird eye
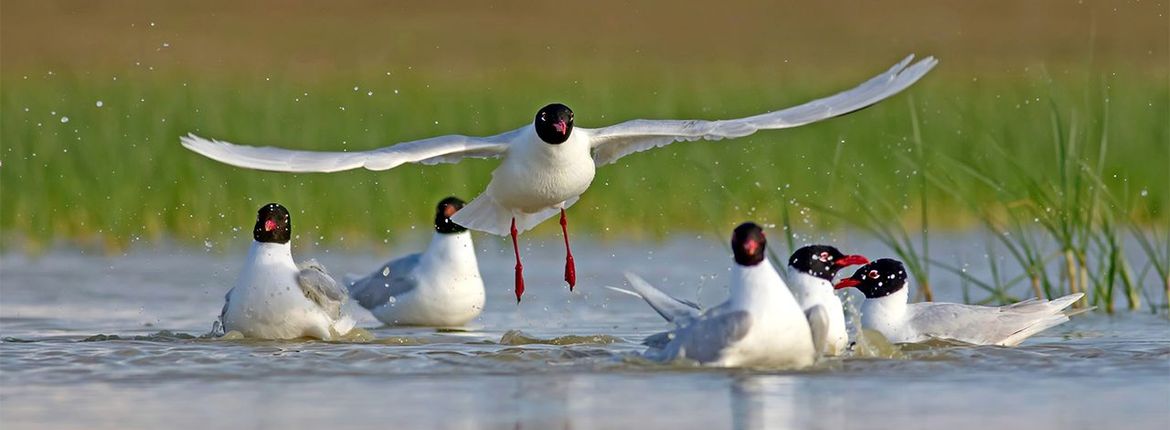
{"x": 873, "y": 274}
{"x": 544, "y": 116}
{"x": 825, "y": 256}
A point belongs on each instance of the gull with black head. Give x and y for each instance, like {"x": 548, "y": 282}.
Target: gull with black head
{"x": 548, "y": 165}
{"x": 439, "y": 287}
{"x": 886, "y": 310}
{"x": 760, "y": 324}
{"x": 274, "y": 298}
{"x": 811, "y": 270}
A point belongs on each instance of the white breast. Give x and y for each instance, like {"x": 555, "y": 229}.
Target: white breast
{"x": 266, "y": 301}
{"x": 888, "y": 316}
{"x": 536, "y": 175}
{"x": 780, "y": 334}
{"x": 449, "y": 289}
{"x": 813, "y": 291}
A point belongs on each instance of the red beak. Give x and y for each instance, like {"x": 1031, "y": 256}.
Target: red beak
{"x": 751, "y": 246}
{"x": 561, "y": 127}
{"x": 269, "y": 225}
{"x": 846, "y": 283}
{"x": 851, "y": 260}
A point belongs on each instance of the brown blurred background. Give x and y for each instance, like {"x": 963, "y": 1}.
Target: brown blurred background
{"x": 313, "y": 38}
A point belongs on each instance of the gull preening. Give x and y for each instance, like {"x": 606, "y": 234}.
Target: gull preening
{"x": 885, "y": 309}
{"x": 548, "y": 165}
{"x": 274, "y": 298}
{"x": 439, "y": 287}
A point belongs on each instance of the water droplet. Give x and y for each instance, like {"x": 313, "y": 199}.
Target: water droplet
{"x": 99, "y": 103}
{"x": 386, "y": 271}
{"x": 64, "y": 119}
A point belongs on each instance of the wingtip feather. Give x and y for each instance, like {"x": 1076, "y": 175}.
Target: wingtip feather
{"x": 624, "y": 291}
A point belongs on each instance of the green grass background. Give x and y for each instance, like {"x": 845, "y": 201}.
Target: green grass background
{"x": 360, "y": 75}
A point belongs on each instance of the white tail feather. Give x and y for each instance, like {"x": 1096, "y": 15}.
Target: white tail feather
{"x": 1053, "y": 307}
{"x": 485, "y": 214}
{"x": 1036, "y": 327}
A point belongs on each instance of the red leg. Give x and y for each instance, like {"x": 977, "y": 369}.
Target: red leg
{"x": 570, "y": 267}
{"x": 519, "y": 267}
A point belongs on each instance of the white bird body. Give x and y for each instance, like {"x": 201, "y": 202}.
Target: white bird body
{"x": 440, "y": 287}
{"x": 889, "y": 316}
{"x": 783, "y": 338}
{"x": 811, "y": 291}
{"x": 533, "y": 181}
{"x": 902, "y": 322}
{"x": 267, "y": 302}
{"x": 885, "y": 285}
{"x": 759, "y": 325}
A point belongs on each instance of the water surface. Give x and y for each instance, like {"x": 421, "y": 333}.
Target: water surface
{"x": 114, "y": 342}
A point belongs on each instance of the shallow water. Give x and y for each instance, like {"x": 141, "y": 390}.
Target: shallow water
{"x": 100, "y": 342}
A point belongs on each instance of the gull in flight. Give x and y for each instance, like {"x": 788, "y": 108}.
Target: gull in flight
{"x": 547, "y": 165}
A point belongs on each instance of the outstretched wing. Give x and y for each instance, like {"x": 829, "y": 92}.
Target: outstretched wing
{"x": 320, "y": 288}
{"x": 443, "y": 149}
{"x": 616, "y": 141}
{"x": 391, "y": 280}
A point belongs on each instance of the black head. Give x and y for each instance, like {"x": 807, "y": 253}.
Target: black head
{"x": 554, "y": 123}
{"x": 877, "y": 279}
{"x": 822, "y": 261}
{"x": 273, "y": 224}
{"x": 749, "y": 244}
{"x": 443, "y": 213}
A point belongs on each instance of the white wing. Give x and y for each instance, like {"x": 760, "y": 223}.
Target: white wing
{"x": 442, "y": 149}
{"x": 818, "y": 323}
{"x": 616, "y": 141}
{"x": 987, "y": 325}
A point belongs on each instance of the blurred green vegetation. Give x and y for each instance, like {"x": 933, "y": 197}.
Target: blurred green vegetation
{"x": 115, "y": 174}
{"x": 117, "y": 171}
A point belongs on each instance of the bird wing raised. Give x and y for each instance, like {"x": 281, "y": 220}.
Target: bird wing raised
{"x": 613, "y": 142}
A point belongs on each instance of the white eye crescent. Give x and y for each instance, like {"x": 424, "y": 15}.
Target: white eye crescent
{"x": 873, "y": 274}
